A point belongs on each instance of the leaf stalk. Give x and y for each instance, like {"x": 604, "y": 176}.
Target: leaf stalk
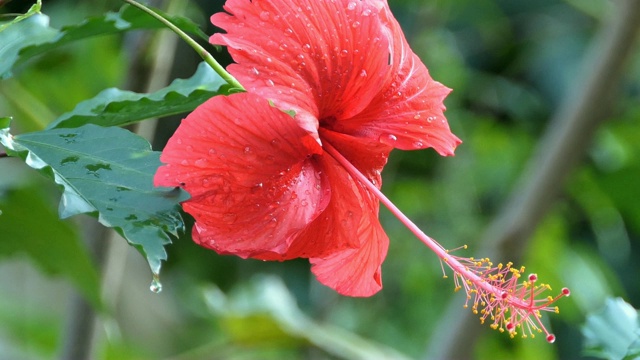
{"x": 206, "y": 56}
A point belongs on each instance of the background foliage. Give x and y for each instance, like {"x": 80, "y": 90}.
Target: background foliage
{"x": 511, "y": 64}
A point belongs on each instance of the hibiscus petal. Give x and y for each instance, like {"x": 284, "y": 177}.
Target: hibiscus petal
{"x": 334, "y": 230}
{"x": 322, "y": 59}
{"x": 249, "y": 171}
{"x": 407, "y": 113}
{"x": 356, "y": 272}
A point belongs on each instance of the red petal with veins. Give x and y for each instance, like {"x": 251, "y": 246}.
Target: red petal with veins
{"x": 249, "y": 170}
{"x": 407, "y": 113}
{"x": 335, "y": 228}
{"x": 357, "y": 272}
{"x": 323, "y": 59}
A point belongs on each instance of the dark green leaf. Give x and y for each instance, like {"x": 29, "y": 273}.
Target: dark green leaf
{"x": 34, "y": 36}
{"x": 29, "y": 226}
{"x": 114, "y": 107}
{"x": 108, "y": 173}
{"x": 614, "y": 332}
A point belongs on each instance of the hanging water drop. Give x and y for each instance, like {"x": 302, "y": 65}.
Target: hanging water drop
{"x": 156, "y": 286}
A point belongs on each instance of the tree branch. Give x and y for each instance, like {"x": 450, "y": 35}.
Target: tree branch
{"x": 561, "y": 149}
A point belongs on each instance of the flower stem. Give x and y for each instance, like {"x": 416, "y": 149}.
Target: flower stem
{"x": 494, "y": 292}
{"x": 206, "y": 56}
{"x": 431, "y": 243}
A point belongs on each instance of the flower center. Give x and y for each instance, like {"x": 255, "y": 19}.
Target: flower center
{"x": 328, "y": 122}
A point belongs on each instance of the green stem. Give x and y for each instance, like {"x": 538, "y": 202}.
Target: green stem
{"x": 206, "y": 56}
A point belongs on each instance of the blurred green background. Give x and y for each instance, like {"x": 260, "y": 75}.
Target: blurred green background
{"x": 511, "y": 65}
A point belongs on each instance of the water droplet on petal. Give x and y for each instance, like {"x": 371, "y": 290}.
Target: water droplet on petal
{"x": 418, "y": 144}
{"x": 352, "y": 5}
{"x": 431, "y": 119}
{"x": 366, "y": 12}
{"x": 184, "y": 162}
{"x": 247, "y": 150}
{"x": 212, "y": 151}
{"x": 417, "y": 116}
{"x": 288, "y": 32}
{"x": 264, "y": 15}
{"x": 229, "y": 218}
{"x": 363, "y": 73}
{"x": 355, "y": 24}
{"x": 306, "y": 47}
{"x": 255, "y": 71}
{"x": 344, "y": 53}
{"x": 275, "y": 142}
{"x": 270, "y": 83}
{"x": 155, "y": 286}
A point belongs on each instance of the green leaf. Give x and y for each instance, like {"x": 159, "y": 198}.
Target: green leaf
{"x": 108, "y": 173}
{"x": 614, "y": 332}
{"x": 33, "y": 36}
{"x": 29, "y": 226}
{"x": 114, "y": 107}
{"x": 34, "y": 9}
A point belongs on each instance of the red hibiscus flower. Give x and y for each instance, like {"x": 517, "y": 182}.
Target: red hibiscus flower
{"x": 271, "y": 186}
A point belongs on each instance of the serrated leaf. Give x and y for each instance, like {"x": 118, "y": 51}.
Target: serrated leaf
{"x": 33, "y": 36}
{"x": 613, "y": 332}
{"x": 108, "y": 173}
{"x": 114, "y": 107}
{"x": 29, "y": 226}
